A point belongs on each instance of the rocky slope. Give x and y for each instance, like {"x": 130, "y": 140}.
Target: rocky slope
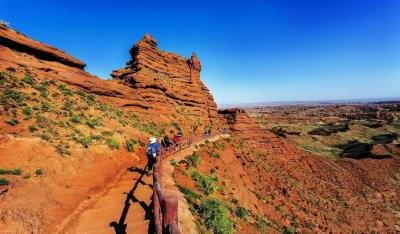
{"x": 66, "y": 134}
{"x": 309, "y": 193}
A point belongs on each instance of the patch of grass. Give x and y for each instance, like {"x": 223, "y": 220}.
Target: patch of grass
{"x": 9, "y": 93}
{"x": 287, "y": 230}
{"x": 27, "y": 112}
{"x": 16, "y": 171}
{"x": 64, "y": 89}
{"x": 113, "y": 143}
{"x": 235, "y": 201}
{"x": 384, "y": 138}
{"x": 39, "y": 172}
{"x": 330, "y": 128}
{"x": 215, "y": 214}
{"x": 27, "y": 79}
{"x": 68, "y": 106}
{"x": 4, "y": 181}
{"x": 191, "y": 197}
{"x": 85, "y": 141}
{"x": 193, "y": 160}
{"x": 205, "y": 183}
{"x": 45, "y": 107}
{"x": 130, "y": 145}
{"x": 75, "y": 119}
{"x": 241, "y": 212}
{"x": 93, "y": 122}
{"x": 32, "y": 128}
{"x": 42, "y": 88}
{"x": 12, "y": 122}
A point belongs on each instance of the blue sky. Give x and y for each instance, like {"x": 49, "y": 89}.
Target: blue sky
{"x": 251, "y": 51}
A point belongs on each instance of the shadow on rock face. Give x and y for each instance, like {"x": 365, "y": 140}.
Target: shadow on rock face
{"x": 359, "y": 150}
{"x": 384, "y": 138}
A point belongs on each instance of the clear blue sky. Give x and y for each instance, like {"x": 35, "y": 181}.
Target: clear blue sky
{"x": 251, "y": 51}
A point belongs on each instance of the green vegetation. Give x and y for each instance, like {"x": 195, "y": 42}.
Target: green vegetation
{"x": 193, "y": 160}
{"x": 64, "y": 89}
{"x": 39, "y": 172}
{"x": 241, "y": 212}
{"x": 16, "y": 171}
{"x": 92, "y": 123}
{"x": 12, "y": 122}
{"x": 27, "y": 112}
{"x": 32, "y": 128}
{"x": 384, "y": 138}
{"x": 75, "y": 119}
{"x": 130, "y": 145}
{"x": 28, "y": 80}
{"x": 205, "y": 183}
{"x": 330, "y": 128}
{"x": 215, "y": 214}
{"x": 4, "y": 181}
{"x": 113, "y": 143}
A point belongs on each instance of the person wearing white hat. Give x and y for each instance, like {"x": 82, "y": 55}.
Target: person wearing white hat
{"x": 152, "y": 152}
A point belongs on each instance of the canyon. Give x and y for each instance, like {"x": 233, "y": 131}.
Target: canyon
{"x": 69, "y": 138}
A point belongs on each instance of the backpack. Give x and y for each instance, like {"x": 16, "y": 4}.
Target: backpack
{"x": 151, "y": 152}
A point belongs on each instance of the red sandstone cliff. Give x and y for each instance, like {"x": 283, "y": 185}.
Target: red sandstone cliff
{"x": 165, "y": 81}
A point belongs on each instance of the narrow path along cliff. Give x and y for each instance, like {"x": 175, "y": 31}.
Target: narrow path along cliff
{"x": 127, "y": 207}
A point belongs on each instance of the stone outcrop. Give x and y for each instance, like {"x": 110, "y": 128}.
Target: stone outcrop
{"x": 17, "y": 41}
{"x": 163, "y": 81}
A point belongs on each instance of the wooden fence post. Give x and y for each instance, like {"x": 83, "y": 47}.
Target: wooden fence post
{"x": 170, "y": 211}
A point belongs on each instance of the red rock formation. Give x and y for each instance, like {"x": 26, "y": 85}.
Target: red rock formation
{"x": 17, "y": 41}
{"x": 164, "y": 81}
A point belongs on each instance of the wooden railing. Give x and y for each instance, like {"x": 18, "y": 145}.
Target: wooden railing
{"x": 165, "y": 207}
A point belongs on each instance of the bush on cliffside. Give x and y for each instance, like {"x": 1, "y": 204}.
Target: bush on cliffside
{"x": 215, "y": 215}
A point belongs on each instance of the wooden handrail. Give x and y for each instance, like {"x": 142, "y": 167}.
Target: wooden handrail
{"x": 165, "y": 207}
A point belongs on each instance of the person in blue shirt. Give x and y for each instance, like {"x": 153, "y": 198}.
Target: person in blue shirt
{"x": 152, "y": 152}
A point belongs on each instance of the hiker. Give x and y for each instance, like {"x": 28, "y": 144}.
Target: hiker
{"x": 152, "y": 152}
{"x": 176, "y": 139}
{"x": 167, "y": 141}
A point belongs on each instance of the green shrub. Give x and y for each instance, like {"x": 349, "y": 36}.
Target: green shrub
{"x": 27, "y": 112}
{"x": 130, "y": 145}
{"x": 64, "y": 89}
{"x": 13, "y": 95}
{"x": 235, "y": 200}
{"x": 12, "y": 122}
{"x": 68, "y": 106}
{"x": 27, "y": 176}
{"x": 42, "y": 88}
{"x": 287, "y": 230}
{"x": 14, "y": 112}
{"x": 75, "y": 119}
{"x": 205, "y": 183}
{"x": 39, "y": 172}
{"x": 215, "y": 215}
{"x": 86, "y": 141}
{"x": 32, "y": 128}
{"x": 45, "y": 107}
{"x": 241, "y": 212}
{"x": 42, "y": 122}
{"x": 16, "y": 171}
{"x": 216, "y": 155}
{"x": 3, "y": 181}
{"x": 92, "y": 123}
{"x": 36, "y": 108}
{"x": 2, "y": 78}
{"x": 113, "y": 143}
{"x": 28, "y": 80}
{"x": 193, "y": 160}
